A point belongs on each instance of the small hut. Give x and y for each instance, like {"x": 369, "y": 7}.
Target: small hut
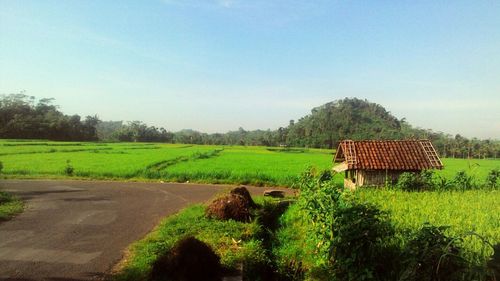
{"x": 375, "y": 162}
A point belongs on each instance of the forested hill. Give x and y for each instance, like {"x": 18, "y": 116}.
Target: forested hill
{"x": 344, "y": 119}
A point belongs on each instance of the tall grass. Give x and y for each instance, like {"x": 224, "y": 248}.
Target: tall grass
{"x": 464, "y": 212}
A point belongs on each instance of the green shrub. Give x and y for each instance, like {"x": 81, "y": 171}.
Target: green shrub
{"x": 319, "y": 197}
{"x": 69, "y": 170}
{"x": 350, "y": 237}
{"x": 416, "y": 181}
{"x": 431, "y": 255}
{"x": 359, "y": 249}
{"x": 1, "y": 166}
{"x": 428, "y": 181}
{"x": 491, "y": 180}
{"x": 463, "y": 181}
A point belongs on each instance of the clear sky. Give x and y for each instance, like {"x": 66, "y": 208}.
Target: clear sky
{"x": 216, "y": 65}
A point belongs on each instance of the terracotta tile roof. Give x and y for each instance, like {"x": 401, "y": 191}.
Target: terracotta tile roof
{"x": 388, "y": 155}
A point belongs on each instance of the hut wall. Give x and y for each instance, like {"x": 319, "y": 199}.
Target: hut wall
{"x": 376, "y": 177}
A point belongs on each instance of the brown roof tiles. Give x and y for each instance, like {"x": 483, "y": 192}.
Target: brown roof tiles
{"x": 388, "y": 155}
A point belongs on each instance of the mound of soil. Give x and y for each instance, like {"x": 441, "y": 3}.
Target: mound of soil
{"x": 189, "y": 260}
{"x": 231, "y": 206}
{"x": 243, "y": 192}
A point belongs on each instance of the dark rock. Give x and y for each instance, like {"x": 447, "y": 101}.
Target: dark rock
{"x": 274, "y": 193}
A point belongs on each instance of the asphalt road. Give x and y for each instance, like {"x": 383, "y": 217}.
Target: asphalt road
{"x": 78, "y": 230}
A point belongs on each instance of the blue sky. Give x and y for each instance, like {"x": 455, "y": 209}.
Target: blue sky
{"x": 219, "y": 65}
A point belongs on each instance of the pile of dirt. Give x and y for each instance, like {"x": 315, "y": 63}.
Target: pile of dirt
{"x": 243, "y": 192}
{"x": 189, "y": 260}
{"x": 236, "y": 205}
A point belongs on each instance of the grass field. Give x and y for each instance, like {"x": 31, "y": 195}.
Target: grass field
{"x": 181, "y": 163}
{"x": 464, "y": 212}
{"x": 470, "y": 217}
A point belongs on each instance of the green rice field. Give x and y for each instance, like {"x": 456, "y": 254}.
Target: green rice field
{"x": 180, "y": 163}
{"x": 473, "y": 215}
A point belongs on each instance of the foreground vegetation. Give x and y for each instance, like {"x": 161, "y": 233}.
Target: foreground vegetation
{"x": 385, "y": 234}
{"x": 329, "y": 233}
{"x": 236, "y": 243}
{"x": 179, "y": 162}
{"x": 9, "y": 206}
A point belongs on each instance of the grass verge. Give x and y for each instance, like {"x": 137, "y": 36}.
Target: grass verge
{"x": 10, "y": 205}
{"x": 233, "y": 241}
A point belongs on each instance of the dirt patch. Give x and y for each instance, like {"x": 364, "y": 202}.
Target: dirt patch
{"x": 189, "y": 260}
{"x": 228, "y": 207}
{"x": 236, "y": 205}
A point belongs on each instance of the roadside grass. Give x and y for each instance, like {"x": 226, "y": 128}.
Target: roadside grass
{"x": 295, "y": 251}
{"x": 233, "y": 241}
{"x": 10, "y": 205}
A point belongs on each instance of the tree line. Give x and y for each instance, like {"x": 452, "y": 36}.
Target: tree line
{"x": 350, "y": 118}
{"x": 23, "y": 118}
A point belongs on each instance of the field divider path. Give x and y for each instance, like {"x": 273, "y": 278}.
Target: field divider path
{"x": 155, "y": 170}
{"x": 57, "y": 151}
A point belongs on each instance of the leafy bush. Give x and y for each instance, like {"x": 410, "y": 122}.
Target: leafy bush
{"x": 319, "y": 198}
{"x": 416, "y": 181}
{"x": 350, "y": 236}
{"x": 359, "y": 248}
{"x": 491, "y": 180}
{"x": 1, "y": 166}
{"x": 68, "y": 170}
{"x": 442, "y": 184}
{"x": 431, "y": 255}
{"x": 463, "y": 181}
{"x": 428, "y": 181}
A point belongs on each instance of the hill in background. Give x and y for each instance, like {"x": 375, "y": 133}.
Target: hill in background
{"x": 344, "y": 119}
{"x": 324, "y": 127}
